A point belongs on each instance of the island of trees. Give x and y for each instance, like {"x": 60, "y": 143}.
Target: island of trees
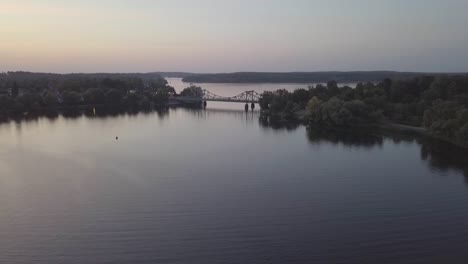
{"x": 437, "y": 103}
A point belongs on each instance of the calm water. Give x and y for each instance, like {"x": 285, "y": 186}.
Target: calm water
{"x": 222, "y": 186}
{"x": 231, "y": 89}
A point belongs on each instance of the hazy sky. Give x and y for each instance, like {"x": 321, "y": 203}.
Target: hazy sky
{"x": 233, "y": 35}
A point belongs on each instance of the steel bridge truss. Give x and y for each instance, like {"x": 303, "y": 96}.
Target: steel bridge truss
{"x": 245, "y": 97}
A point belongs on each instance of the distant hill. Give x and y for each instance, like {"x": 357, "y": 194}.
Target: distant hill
{"x": 301, "y": 77}
{"x": 174, "y": 74}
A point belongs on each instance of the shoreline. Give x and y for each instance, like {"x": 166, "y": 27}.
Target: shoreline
{"x": 299, "y": 117}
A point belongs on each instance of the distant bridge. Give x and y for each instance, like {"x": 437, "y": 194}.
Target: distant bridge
{"x": 245, "y": 97}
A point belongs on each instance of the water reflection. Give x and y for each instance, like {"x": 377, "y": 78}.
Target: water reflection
{"x": 216, "y": 186}
{"x": 439, "y": 155}
{"x": 443, "y": 157}
{"x": 277, "y": 125}
{"x": 348, "y": 138}
{"x": 204, "y": 114}
{"x": 71, "y": 114}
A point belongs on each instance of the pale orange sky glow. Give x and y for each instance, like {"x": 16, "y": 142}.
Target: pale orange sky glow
{"x": 219, "y": 36}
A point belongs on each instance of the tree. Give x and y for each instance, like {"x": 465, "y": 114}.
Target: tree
{"x": 300, "y": 97}
{"x": 114, "y": 96}
{"x": 462, "y": 135}
{"x": 29, "y": 101}
{"x": 265, "y": 100}
{"x": 161, "y": 97}
{"x": 313, "y": 110}
{"x": 335, "y": 113}
{"x": 386, "y": 85}
{"x": 192, "y": 91}
{"x": 428, "y": 118}
{"x": 168, "y": 90}
{"x": 71, "y": 98}
{"x": 132, "y": 99}
{"x": 50, "y": 100}
{"x": 279, "y": 101}
{"x": 94, "y": 96}
{"x": 6, "y": 103}
{"x": 14, "y": 90}
{"x": 333, "y": 89}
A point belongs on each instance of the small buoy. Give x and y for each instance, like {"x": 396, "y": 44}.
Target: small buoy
{"x": 116, "y": 138}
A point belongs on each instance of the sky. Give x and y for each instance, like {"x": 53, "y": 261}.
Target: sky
{"x": 233, "y": 35}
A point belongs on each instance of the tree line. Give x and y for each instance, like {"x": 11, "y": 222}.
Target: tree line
{"x": 23, "y": 91}
{"x": 437, "y": 103}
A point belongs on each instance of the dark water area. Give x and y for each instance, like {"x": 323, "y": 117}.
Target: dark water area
{"x": 225, "y": 186}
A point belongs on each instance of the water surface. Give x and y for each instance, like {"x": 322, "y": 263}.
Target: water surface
{"x": 223, "y": 186}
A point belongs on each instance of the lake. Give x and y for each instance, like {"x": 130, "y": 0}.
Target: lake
{"x": 224, "y": 186}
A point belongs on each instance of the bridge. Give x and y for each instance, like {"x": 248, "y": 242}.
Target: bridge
{"x": 251, "y": 97}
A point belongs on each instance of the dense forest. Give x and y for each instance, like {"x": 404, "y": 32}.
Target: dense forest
{"x": 438, "y": 103}
{"x": 299, "y": 77}
{"x": 24, "y": 91}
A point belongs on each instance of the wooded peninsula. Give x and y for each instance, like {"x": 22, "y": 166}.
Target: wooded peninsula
{"x": 437, "y": 103}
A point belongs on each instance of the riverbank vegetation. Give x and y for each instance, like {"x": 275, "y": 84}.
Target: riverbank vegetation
{"x": 438, "y": 103}
{"x": 24, "y": 91}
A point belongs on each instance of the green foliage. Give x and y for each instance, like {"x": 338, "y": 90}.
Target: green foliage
{"x": 161, "y": 97}
{"x": 94, "y": 96}
{"x": 449, "y": 120}
{"x": 265, "y": 100}
{"x": 439, "y": 103}
{"x": 300, "y": 96}
{"x": 132, "y": 99}
{"x": 160, "y": 84}
{"x": 462, "y": 135}
{"x": 334, "y": 112}
{"x": 15, "y": 90}
{"x": 29, "y": 101}
{"x": 71, "y": 98}
{"x": 50, "y": 100}
{"x": 313, "y": 110}
{"x": 6, "y": 102}
{"x": 35, "y": 90}
{"x": 192, "y": 91}
{"x": 329, "y": 104}
{"x": 114, "y": 96}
